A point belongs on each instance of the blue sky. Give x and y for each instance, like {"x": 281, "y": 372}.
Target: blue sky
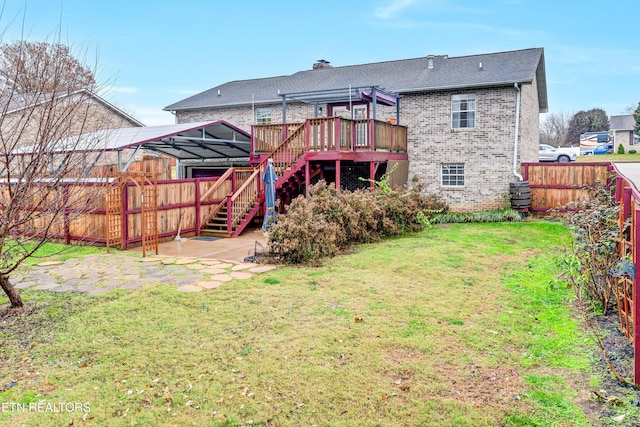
{"x": 152, "y": 53}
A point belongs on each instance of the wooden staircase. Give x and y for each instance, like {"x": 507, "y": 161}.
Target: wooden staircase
{"x": 217, "y": 225}
{"x": 236, "y": 211}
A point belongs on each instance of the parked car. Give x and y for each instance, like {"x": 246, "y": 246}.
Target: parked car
{"x": 547, "y": 153}
{"x": 603, "y": 149}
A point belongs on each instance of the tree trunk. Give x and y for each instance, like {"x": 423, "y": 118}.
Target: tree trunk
{"x": 14, "y": 297}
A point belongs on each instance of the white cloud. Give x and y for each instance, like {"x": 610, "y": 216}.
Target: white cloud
{"x": 123, "y": 89}
{"x": 395, "y": 6}
{"x": 154, "y": 116}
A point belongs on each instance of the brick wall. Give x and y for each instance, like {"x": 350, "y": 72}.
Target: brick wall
{"x": 486, "y": 150}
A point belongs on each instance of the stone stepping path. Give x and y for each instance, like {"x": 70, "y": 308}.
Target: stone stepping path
{"x": 98, "y": 274}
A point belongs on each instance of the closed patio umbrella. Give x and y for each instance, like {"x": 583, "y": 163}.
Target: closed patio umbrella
{"x": 269, "y": 179}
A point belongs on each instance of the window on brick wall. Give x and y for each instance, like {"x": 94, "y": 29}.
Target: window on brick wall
{"x": 263, "y": 116}
{"x": 463, "y": 111}
{"x": 452, "y": 175}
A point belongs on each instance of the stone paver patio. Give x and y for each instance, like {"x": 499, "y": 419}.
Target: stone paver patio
{"x": 97, "y": 274}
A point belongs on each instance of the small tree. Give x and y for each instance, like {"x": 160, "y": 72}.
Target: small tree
{"x": 32, "y": 67}
{"x": 39, "y": 146}
{"x": 553, "y": 129}
{"x": 594, "y": 120}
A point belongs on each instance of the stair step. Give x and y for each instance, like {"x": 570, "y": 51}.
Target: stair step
{"x": 215, "y": 233}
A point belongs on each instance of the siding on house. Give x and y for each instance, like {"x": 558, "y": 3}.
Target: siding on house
{"x": 622, "y": 132}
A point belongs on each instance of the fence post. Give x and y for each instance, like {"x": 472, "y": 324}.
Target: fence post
{"x": 65, "y": 201}
{"x": 197, "y": 205}
{"x": 635, "y": 237}
{"x": 125, "y": 215}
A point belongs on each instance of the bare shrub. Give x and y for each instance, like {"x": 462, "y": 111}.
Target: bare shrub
{"x": 588, "y": 264}
{"x": 328, "y": 222}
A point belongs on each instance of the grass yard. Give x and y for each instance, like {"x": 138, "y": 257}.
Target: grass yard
{"x": 611, "y": 158}
{"x": 454, "y": 326}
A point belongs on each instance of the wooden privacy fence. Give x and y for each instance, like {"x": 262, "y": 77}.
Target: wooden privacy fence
{"x": 555, "y": 184}
{"x": 179, "y": 204}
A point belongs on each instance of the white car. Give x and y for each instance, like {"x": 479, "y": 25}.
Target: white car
{"x": 547, "y": 153}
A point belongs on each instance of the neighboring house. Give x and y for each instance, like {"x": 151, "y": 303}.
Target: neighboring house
{"x": 99, "y": 113}
{"x": 29, "y": 119}
{"x": 621, "y": 131}
{"x": 471, "y": 121}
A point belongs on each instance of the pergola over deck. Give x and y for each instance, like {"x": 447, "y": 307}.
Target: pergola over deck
{"x": 304, "y": 147}
{"x": 348, "y": 95}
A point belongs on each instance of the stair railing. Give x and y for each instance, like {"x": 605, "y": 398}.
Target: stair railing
{"x": 287, "y": 152}
{"x": 243, "y": 200}
{"x": 238, "y": 176}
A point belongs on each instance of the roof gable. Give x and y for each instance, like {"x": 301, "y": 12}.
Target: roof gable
{"x": 401, "y": 76}
{"x": 18, "y": 102}
{"x": 626, "y": 122}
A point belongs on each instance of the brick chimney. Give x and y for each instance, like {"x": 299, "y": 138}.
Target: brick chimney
{"x": 321, "y": 63}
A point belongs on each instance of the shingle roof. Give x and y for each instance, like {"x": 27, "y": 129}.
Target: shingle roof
{"x": 627, "y": 122}
{"x": 17, "y": 102}
{"x": 402, "y": 76}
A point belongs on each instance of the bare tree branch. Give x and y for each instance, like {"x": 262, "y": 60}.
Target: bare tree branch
{"x": 47, "y": 109}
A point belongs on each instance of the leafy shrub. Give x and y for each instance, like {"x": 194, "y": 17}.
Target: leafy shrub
{"x": 620, "y": 149}
{"x": 632, "y": 151}
{"x": 329, "y": 221}
{"x": 588, "y": 264}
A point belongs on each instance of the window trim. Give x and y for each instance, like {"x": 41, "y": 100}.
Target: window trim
{"x": 263, "y": 119}
{"x": 469, "y": 112}
{"x": 453, "y": 177}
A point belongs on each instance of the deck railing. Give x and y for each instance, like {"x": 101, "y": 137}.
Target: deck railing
{"x": 333, "y": 134}
{"x": 266, "y": 137}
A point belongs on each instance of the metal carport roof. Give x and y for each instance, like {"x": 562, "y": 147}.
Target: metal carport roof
{"x": 184, "y": 141}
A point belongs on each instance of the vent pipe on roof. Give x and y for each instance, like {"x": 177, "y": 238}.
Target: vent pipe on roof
{"x": 430, "y": 62}
{"x": 218, "y": 92}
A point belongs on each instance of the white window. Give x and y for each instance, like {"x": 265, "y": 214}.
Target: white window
{"x": 463, "y": 111}
{"x": 452, "y": 175}
{"x": 263, "y": 116}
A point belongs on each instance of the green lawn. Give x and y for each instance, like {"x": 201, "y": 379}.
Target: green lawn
{"x": 610, "y": 158}
{"x": 454, "y": 326}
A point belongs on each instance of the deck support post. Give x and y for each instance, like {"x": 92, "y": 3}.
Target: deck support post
{"x": 372, "y": 175}
{"x": 307, "y": 178}
{"x": 337, "y": 175}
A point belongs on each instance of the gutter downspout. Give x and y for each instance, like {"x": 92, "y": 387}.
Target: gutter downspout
{"x": 517, "y": 130}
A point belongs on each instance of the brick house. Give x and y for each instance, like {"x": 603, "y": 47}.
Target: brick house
{"x": 470, "y": 121}
{"x": 621, "y": 130}
{"x": 27, "y": 120}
